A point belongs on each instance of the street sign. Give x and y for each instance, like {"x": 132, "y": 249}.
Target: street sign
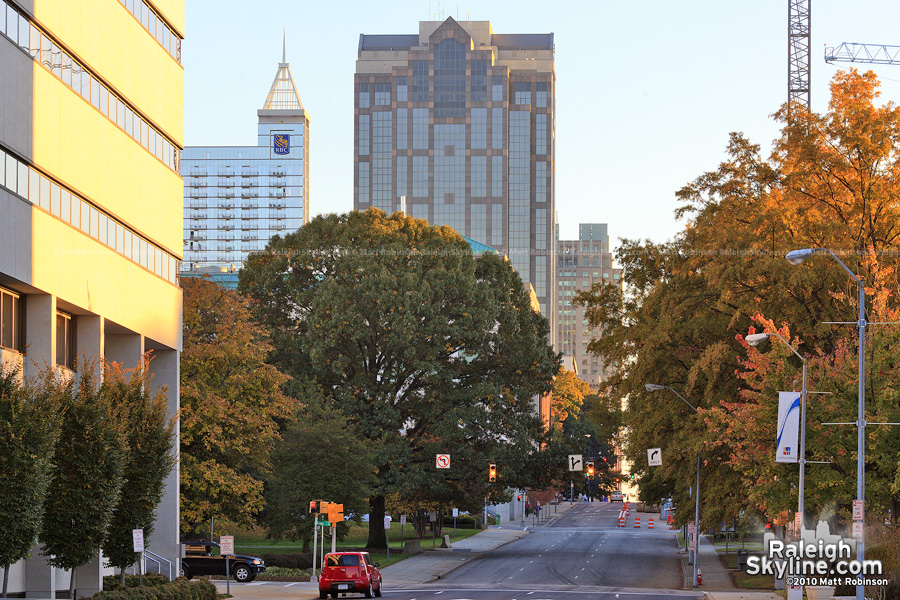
{"x": 455, "y": 512}
{"x": 857, "y": 510}
{"x": 857, "y": 530}
{"x": 137, "y": 537}
{"x": 654, "y": 457}
{"x": 442, "y": 461}
{"x": 387, "y": 522}
{"x": 226, "y": 545}
{"x": 402, "y": 520}
{"x": 323, "y": 523}
{"x": 575, "y": 462}
{"x": 432, "y": 517}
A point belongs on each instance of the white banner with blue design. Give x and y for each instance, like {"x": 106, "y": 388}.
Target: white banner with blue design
{"x": 788, "y": 427}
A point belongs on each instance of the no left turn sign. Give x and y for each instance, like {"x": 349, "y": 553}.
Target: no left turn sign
{"x": 442, "y": 461}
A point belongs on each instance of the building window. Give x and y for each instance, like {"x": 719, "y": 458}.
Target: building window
{"x": 449, "y": 79}
{"x": 540, "y": 134}
{"x": 402, "y": 89}
{"x": 540, "y": 99}
{"x": 382, "y": 94}
{"x": 363, "y": 172}
{"x": 523, "y": 92}
{"x": 479, "y": 128}
{"x": 479, "y": 80}
{"x": 496, "y": 176}
{"x": 10, "y": 321}
{"x": 363, "y": 101}
{"x": 420, "y": 81}
{"x": 497, "y": 137}
{"x": 420, "y": 177}
{"x": 479, "y": 178}
{"x": 402, "y": 130}
{"x": 65, "y": 340}
{"x": 540, "y": 180}
{"x": 420, "y": 128}
{"x": 363, "y": 135}
{"x": 497, "y": 88}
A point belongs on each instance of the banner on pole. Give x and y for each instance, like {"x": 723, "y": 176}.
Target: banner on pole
{"x": 788, "y": 427}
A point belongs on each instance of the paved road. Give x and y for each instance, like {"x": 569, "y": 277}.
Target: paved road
{"x": 583, "y": 548}
{"x": 583, "y": 555}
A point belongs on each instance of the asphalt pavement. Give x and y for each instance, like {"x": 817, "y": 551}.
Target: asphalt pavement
{"x": 579, "y": 553}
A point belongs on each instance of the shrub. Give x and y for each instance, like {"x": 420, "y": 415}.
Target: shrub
{"x": 111, "y": 582}
{"x": 180, "y": 589}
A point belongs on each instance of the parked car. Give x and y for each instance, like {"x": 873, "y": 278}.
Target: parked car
{"x": 203, "y": 558}
{"x": 616, "y": 496}
{"x": 349, "y": 572}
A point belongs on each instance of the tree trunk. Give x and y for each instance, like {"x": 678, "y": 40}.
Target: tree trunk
{"x": 377, "y": 537}
{"x": 72, "y": 583}
{"x": 5, "y": 579}
{"x": 122, "y": 577}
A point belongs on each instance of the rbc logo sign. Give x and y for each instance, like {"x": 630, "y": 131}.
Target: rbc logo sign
{"x": 282, "y": 143}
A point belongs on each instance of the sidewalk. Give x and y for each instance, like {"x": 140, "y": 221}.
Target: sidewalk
{"x": 715, "y": 575}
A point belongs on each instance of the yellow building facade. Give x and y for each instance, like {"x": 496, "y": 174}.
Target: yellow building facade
{"x": 91, "y": 133}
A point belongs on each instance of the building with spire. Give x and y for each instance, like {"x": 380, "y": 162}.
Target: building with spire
{"x": 237, "y": 197}
{"x": 460, "y": 121}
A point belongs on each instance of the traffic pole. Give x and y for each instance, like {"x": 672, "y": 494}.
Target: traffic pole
{"x": 315, "y": 543}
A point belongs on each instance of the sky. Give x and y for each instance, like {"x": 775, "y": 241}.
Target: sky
{"x": 646, "y": 92}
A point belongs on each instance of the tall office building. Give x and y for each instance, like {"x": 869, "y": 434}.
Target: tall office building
{"x": 91, "y": 131}
{"x": 580, "y": 264}
{"x": 237, "y": 197}
{"x": 460, "y": 121}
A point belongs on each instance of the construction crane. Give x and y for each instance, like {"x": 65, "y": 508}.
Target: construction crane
{"x": 863, "y": 53}
{"x": 798, "y": 53}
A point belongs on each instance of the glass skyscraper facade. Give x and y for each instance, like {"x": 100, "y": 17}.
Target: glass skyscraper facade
{"x": 237, "y": 197}
{"x": 580, "y": 264}
{"x": 460, "y": 122}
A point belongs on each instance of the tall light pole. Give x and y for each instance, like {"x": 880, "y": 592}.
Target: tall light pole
{"x": 796, "y": 257}
{"x": 755, "y": 339}
{"x": 652, "y": 387}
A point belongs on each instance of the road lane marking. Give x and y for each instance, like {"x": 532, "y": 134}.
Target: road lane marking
{"x": 290, "y": 584}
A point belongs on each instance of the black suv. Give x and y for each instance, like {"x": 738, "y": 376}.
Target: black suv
{"x": 203, "y": 558}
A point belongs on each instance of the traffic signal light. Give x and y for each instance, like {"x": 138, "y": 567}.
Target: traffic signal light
{"x": 632, "y": 475}
{"x": 519, "y": 498}
{"x": 313, "y": 506}
{"x": 492, "y": 472}
{"x": 335, "y": 513}
{"x": 590, "y": 469}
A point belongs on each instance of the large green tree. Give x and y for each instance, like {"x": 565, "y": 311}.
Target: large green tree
{"x": 425, "y": 348}
{"x": 88, "y": 466}
{"x": 831, "y": 182}
{"x": 320, "y": 457}
{"x": 29, "y": 427}
{"x": 232, "y": 407}
{"x": 149, "y": 436}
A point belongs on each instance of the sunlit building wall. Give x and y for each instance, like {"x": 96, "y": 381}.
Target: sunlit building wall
{"x": 91, "y": 132}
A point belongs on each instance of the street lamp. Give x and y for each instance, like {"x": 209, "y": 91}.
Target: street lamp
{"x": 653, "y": 387}
{"x": 796, "y": 257}
{"x": 755, "y": 339}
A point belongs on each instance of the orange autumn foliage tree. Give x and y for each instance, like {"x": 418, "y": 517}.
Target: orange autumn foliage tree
{"x": 832, "y": 181}
{"x": 567, "y": 397}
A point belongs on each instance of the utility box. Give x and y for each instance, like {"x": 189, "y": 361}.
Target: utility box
{"x": 742, "y": 554}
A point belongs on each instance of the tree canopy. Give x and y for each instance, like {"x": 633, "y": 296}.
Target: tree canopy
{"x": 831, "y": 181}
{"x": 425, "y": 348}
{"x": 232, "y": 407}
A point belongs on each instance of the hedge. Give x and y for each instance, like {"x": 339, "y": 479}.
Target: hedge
{"x": 180, "y": 589}
{"x": 111, "y": 582}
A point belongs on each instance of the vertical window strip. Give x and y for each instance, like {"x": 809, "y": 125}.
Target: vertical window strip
{"x": 46, "y": 194}
{"x": 57, "y": 61}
